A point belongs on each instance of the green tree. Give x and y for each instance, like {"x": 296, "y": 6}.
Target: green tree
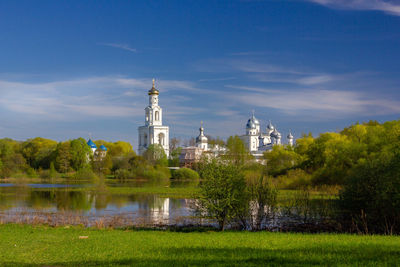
{"x": 38, "y": 152}
{"x": 263, "y": 200}
{"x": 155, "y": 155}
{"x": 237, "y": 152}
{"x": 185, "y": 173}
{"x": 371, "y": 195}
{"x": 103, "y": 165}
{"x": 63, "y": 157}
{"x": 280, "y": 159}
{"x": 79, "y": 152}
{"x": 173, "y": 160}
{"x": 222, "y": 192}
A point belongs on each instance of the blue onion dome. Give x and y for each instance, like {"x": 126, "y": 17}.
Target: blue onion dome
{"x": 103, "y": 148}
{"x": 153, "y": 90}
{"x": 91, "y": 144}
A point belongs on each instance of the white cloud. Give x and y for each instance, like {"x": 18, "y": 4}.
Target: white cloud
{"x": 313, "y": 80}
{"x": 389, "y": 7}
{"x": 120, "y": 46}
{"x": 78, "y": 99}
{"x": 320, "y": 103}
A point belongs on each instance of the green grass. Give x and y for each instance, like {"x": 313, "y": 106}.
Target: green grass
{"x": 44, "y": 246}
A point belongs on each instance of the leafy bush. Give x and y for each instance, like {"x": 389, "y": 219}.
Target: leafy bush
{"x": 294, "y": 179}
{"x": 371, "y": 196}
{"x": 262, "y": 202}
{"x": 185, "y": 173}
{"x": 123, "y": 174}
{"x": 85, "y": 174}
{"x": 157, "y": 172}
{"x": 222, "y": 192}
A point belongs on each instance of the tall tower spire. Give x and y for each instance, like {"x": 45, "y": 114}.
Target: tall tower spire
{"x": 202, "y": 140}
{"x": 290, "y": 138}
{"x": 153, "y": 131}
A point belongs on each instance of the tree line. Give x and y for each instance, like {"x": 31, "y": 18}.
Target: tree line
{"x": 362, "y": 161}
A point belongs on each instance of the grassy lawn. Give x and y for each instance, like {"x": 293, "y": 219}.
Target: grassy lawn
{"x": 44, "y": 246}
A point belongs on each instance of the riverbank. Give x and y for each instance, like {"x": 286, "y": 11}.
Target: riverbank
{"x": 23, "y": 245}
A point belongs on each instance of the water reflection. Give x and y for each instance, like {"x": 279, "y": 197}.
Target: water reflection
{"x": 91, "y": 201}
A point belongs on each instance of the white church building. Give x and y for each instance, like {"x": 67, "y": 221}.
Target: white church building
{"x": 153, "y": 131}
{"x": 257, "y": 141}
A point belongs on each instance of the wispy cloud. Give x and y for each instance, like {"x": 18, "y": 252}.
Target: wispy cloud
{"x": 323, "y": 103}
{"x": 120, "y": 46}
{"x": 389, "y": 7}
{"x": 79, "y": 99}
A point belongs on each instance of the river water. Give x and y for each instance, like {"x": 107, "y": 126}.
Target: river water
{"x": 88, "y": 202}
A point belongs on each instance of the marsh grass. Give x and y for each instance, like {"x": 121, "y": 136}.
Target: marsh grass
{"x": 62, "y": 246}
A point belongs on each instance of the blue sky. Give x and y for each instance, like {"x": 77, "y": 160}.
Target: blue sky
{"x": 70, "y": 68}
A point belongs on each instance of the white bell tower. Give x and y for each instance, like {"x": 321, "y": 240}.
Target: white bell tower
{"x": 153, "y": 132}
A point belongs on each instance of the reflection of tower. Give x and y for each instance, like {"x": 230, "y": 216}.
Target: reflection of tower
{"x": 153, "y": 132}
{"x": 160, "y": 211}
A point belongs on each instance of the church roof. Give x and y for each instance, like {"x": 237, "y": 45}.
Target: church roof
{"x": 91, "y": 144}
{"x": 153, "y": 90}
{"x": 201, "y": 138}
{"x": 253, "y": 122}
{"x": 103, "y": 147}
{"x": 270, "y": 126}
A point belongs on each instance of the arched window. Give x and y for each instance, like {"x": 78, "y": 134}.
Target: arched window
{"x": 145, "y": 140}
{"x": 157, "y": 115}
{"x": 161, "y": 139}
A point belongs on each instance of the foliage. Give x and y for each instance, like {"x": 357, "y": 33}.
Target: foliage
{"x": 215, "y": 141}
{"x": 185, "y": 173}
{"x": 262, "y": 201}
{"x": 38, "y": 152}
{"x": 237, "y": 152}
{"x": 79, "y": 152}
{"x": 63, "y": 157}
{"x": 280, "y": 159}
{"x": 116, "y": 149}
{"x": 222, "y": 192}
{"x": 173, "y": 160}
{"x": 157, "y": 172}
{"x": 85, "y": 174}
{"x": 103, "y": 165}
{"x": 155, "y": 155}
{"x": 293, "y": 179}
{"x": 371, "y": 196}
{"x": 123, "y": 174}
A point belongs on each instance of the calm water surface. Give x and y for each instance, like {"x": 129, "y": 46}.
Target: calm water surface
{"x": 92, "y": 200}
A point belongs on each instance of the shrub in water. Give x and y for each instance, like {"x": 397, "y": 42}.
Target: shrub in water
{"x": 123, "y": 174}
{"x": 185, "y": 173}
{"x": 86, "y": 174}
